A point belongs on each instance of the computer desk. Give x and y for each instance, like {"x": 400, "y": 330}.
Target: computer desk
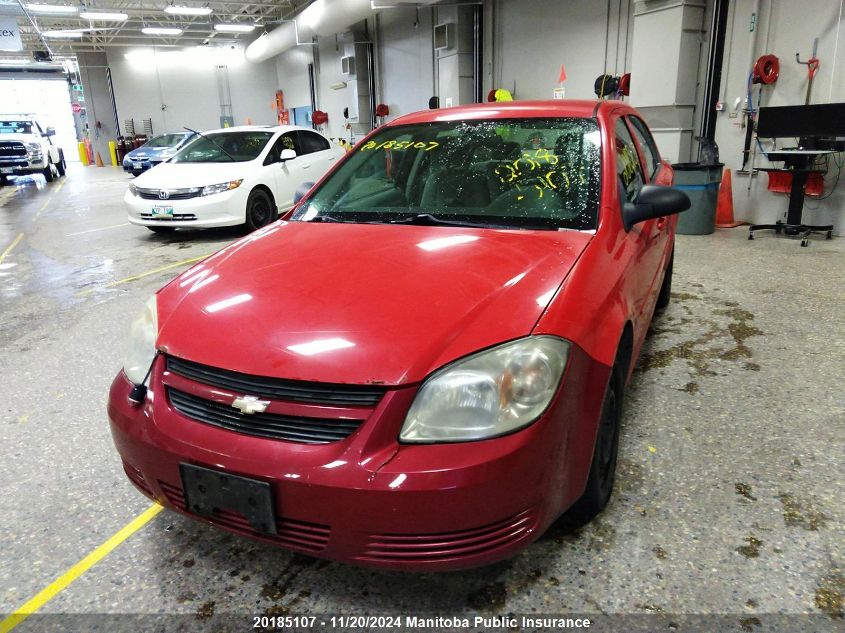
{"x": 799, "y": 163}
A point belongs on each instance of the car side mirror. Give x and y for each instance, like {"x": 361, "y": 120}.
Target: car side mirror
{"x": 287, "y": 154}
{"x": 50, "y": 131}
{"x": 301, "y": 190}
{"x": 653, "y": 201}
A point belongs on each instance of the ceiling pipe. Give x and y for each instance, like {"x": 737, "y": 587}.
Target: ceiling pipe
{"x": 323, "y": 18}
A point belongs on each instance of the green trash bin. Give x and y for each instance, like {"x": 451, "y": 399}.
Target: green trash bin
{"x": 701, "y": 184}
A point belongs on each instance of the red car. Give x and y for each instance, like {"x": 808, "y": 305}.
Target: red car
{"x": 423, "y": 365}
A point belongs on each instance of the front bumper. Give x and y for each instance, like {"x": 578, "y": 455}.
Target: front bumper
{"x": 23, "y": 165}
{"x": 222, "y": 209}
{"x": 367, "y": 499}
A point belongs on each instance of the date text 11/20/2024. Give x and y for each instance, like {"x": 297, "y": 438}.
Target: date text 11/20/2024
{"x": 420, "y": 622}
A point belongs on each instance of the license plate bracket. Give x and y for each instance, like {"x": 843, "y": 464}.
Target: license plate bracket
{"x": 162, "y": 211}
{"x": 206, "y": 490}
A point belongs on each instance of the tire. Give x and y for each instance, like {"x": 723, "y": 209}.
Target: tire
{"x": 3, "y": 181}
{"x": 162, "y": 230}
{"x": 62, "y": 166}
{"x": 666, "y": 288}
{"x": 260, "y": 210}
{"x": 48, "y": 171}
{"x": 603, "y": 466}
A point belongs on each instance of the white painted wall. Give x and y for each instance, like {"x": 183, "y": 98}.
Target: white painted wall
{"x": 534, "y": 37}
{"x": 292, "y": 76}
{"x": 785, "y": 28}
{"x": 405, "y": 55}
{"x": 177, "y": 89}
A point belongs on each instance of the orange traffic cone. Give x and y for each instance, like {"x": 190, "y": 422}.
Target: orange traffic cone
{"x": 99, "y": 160}
{"x": 725, "y": 204}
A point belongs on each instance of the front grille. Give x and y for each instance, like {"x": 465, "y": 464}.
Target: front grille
{"x": 176, "y": 217}
{"x": 269, "y": 425}
{"x": 278, "y": 388}
{"x": 12, "y": 149}
{"x": 172, "y": 194}
{"x": 448, "y": 545}
{"x": 297, "y": 535}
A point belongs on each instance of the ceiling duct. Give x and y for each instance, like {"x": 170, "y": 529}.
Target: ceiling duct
{"x": 323, "y": 17}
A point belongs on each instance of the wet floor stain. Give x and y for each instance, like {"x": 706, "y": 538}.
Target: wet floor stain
{"x": 749, "y": 624}
{"x": 744, "y": 490}
{"x": 801, "y": 513}
{"x": 751, "y": 367}
{"x": 490, "y": 597}
{"x": 660, "y": 553}
{"x": 602, "y": 537}
{"x": 830, "y": 595}
{"x": 629, "y": 476}
{"x": 650, "y": 608}
{"x": 715, "y": 340}
{"x": 752, "y": 550}
{"x": 691, "y": 388}
{"x": 751, "y": 603}
{"x": 206, "y": 610}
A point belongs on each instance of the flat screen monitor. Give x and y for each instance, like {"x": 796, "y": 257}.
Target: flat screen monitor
{"x": 825, "y": 120}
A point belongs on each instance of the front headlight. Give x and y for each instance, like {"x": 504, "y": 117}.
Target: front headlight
{"x": 220, "y": 188}
{"x": 488, "y": 394}
{"x": 142, "y": 340}
{"x": 133, "y": 189}
{"x": 33, "y": 148}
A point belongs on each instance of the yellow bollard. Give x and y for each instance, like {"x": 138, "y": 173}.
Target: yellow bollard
{"x": 113, "y": 152}
{"x": 83, "y": 154}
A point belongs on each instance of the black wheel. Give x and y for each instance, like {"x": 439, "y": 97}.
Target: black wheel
{"x": 162, "y": 230}
{"x": 260, "y": 210}
{"x": 3, "y": 181}
{"x": 805, "y": 242}
{"x": 603, "y": 467}
{"x": 750, "y": 235}
{"x": 666, "y": 287}
{"x": 62, "y": 166}
{"x": 829, "y": 235}
{"x": 48, "y": 171}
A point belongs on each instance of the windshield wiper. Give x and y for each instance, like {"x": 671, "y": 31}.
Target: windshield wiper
{"x": 426, "y": 219}
{"x": 211, "y": 140}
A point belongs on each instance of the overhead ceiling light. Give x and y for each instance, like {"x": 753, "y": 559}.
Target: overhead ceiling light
{"x": 106, "y": 16}
{"x": 63, "y": 34}
{"x": 234, "y": 28}
{"x": 178, "y": 10}
{"x": 161, "y": 30}
{"x": 51, "y": 8}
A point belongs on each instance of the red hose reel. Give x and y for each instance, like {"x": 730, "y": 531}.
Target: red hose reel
{"x": 766, "y": 70}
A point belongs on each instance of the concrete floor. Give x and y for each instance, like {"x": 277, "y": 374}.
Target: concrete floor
{"x": 730, "y": 491}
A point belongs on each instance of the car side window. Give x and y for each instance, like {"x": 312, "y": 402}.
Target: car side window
{"x": 311, "y": 142}
{"x": 285, "y": 141}
{"x": 628, "y": 162}
{"x": 649, "y": 147}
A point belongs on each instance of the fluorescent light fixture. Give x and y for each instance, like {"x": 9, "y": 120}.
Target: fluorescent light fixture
{"x": 51, "y": 8}
{"x": 62, "y": 34}
{"x": 179, "y": 10}
{"x": 106, "y": 16}
{"x": 161, "y": 30}
{"x": 234, "y": 28}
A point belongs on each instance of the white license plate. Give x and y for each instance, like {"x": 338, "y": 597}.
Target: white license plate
{"x": 160, "y": 211}
{"x": 137, "y": 165}
{"x": 7, "y": 170}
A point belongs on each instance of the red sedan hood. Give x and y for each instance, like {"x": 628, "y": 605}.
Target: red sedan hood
{"x": 362, "y": 304}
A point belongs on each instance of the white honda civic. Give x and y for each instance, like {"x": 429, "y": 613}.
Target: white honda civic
{"x": 239, "y": 175}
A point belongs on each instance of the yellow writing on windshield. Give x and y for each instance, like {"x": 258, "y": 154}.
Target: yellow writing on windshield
{"x": 400, "y": 145}
{"x": 532, "y": 169}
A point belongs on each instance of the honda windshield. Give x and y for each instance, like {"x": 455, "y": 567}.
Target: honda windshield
{"x": 515, "y": 173}
{"x": 223, "y": 147}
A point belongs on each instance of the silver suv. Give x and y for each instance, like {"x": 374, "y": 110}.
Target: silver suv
{"x": 26, "y": 148}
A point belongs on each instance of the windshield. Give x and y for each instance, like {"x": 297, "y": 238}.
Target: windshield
{"x": 15, "y": 127}
{"x": 165, "y": 140}
{"x": 514, "y": 173}
{"x": 223, "y": 147}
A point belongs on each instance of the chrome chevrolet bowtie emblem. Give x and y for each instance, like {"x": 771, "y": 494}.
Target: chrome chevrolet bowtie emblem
{"x": 250, "y": 404}
{"x": 163, "y": 194}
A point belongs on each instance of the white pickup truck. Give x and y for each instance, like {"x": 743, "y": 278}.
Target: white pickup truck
{"x": 26, "y": 148}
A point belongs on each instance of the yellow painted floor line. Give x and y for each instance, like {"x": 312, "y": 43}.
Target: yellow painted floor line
{"x": 49, "y": 198}
{"x": 11, "y": 246}
{"x": 60, "y": 583}
{"x": 103, "y": 228}
{"x": 111, "y": 284}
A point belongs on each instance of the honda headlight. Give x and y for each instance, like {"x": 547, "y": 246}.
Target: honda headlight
{"x": 142, "y": 340}
{"x": 133, "y": 190}
{"x": 223, "y": 186}
{"x": 488, "y": 394}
